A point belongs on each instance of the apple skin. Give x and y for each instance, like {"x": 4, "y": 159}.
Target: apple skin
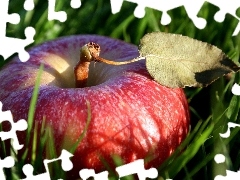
{"x": 131, "y": 115}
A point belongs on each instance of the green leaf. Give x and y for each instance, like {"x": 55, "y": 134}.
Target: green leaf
{"x": 178, "y": 61}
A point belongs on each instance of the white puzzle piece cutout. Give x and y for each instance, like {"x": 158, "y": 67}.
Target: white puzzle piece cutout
{"x": 9, "y": 45}
{"x": 192, "y": 8}
{"x": 20, "y": 125}
{"x": 7, "y": 162}
{"x": 66, "y": 165}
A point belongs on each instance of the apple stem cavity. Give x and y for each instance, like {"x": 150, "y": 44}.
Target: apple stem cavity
{"x": 88, "y": 53}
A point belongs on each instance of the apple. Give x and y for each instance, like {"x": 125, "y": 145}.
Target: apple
{"x": 132, "y": 116}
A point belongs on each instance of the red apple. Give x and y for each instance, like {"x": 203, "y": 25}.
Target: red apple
{"x": 131, "y": 115}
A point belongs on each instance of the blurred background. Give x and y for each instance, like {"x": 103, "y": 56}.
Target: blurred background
{"x": 211, "y": 107}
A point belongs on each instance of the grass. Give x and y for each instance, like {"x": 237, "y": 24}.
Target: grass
{"x": 211, "y": 107}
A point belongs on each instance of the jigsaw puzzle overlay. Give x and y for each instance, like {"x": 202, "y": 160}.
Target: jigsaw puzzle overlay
{"x": 230, "y": 175}
{"x": 20, "y": 125}
{"x": 192, "y": 8}
{"x": 136, "y": 167}
{"x": 9, "y": 45}
{"x": 220, "y": 158}
{"x": 66, "y": 166}
{"x": 236, "y": 89}
{"x": 7, "y": 49}
{"x": 8, "y": 162}
{"x": 6, "y": 43}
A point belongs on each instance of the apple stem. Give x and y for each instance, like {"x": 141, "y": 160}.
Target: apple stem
{"x": 81, "y": 74}
{"x": 90, "y": 52}
{"x": 106, "y": 61}
{"x": 82, "y": 68}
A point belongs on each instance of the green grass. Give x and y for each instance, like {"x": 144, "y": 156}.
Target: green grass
{"x": 211, "y": 107}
